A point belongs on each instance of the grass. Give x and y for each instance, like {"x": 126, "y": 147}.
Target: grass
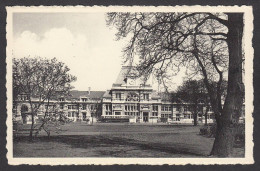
{"x": 118, "y": 140}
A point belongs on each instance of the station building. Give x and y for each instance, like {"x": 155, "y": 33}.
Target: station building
{"x": 133, "y": 100}
{"x": 129, "y": 100}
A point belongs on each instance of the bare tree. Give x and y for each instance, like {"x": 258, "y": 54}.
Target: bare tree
{"x": 207, "y": 44}
{"x": 41, "y": 80}
{"x": 193, "y": 93}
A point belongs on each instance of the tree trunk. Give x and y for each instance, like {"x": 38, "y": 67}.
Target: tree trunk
{"x": 31, "y": 131}
{"x": 206, "y": 119}
{"x": 195, "y": 114}
{"x": 206, "y": 115}
{"x": 195, "y": 117}
{"x": 228, "y": 121}
{"x": 224, "y": 140}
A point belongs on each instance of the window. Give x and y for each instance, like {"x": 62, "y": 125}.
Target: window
{"x": 146, "y": 96}
{"x": 72, "y": 106}
{"x": 84, "y": 99}
{"x": 155, "y": 108}
{"x": 155, "y": 113}
{"x": 131, "y": 108}
{"x": 69, "y": 114}
{"x": 61, "y": 106}
{"x": 117, "y": 113}
{"x": 84, "y": 107}
{"x": 118, "y": 96}
{"x": 61, "y": 99}
{"x": 108, "y": 107}
{"x": 24, "y": 97}
{"x": 108, "y": 113}
{"x": 166, "y": 108}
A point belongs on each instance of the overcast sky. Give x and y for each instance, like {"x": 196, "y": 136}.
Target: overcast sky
{"x": 80, "y": 40}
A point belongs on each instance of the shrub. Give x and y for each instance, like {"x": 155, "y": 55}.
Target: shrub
{"x": 210, "y": 131}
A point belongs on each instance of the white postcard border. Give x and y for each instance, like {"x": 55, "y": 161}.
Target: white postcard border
{"x": 247, "y": 38}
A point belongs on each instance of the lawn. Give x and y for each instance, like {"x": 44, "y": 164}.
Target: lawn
{"x": 119, "y": 140}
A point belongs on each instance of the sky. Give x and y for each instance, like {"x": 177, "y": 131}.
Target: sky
{"x": 82, "y": 41}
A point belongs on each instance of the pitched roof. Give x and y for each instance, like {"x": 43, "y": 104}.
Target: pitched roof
{"x": 107, "y": 95}
{"x": 122, "y": 75}
{"x": 75, "y": 94}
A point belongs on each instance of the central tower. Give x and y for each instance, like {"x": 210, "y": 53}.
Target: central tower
{"x": 131, "y": 99}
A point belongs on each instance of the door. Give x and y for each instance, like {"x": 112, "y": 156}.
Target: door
{"x": 145, "y": 116}
{"x": 84, "y": 116}
{"x": 24, "y": 118}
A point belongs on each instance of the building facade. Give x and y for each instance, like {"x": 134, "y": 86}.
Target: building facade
{"x": 129, "y": 100}
{"x": 132, "y": 100}
{"x": 78, "y": 106}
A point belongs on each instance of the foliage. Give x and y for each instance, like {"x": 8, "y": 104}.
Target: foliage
{"x": 208, "y": 44}
{"x": 164, "y": 42}
{"x": 210, "y": 131}
{"x": 41, "y": 80}
{"x": 195, "y": 94}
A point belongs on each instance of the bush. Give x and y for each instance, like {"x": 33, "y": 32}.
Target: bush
{"x": 210, "y": 131}
{"x": 240, "y": 135}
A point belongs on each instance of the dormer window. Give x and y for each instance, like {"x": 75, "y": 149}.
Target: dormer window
{"x": 146, "y": 96}
{"x": 24, "y": 97}
{"x": 84, "y": 99}
{"x": 118, "y": 96}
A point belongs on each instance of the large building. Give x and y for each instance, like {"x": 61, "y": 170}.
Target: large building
{"x": 130, "y": 99}
{"x": 133, "y": 100}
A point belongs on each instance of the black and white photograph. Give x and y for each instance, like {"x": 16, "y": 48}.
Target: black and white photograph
{"x": 129, "y": 85}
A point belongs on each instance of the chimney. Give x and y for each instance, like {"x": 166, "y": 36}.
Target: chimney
{"x": 89, "y": 88}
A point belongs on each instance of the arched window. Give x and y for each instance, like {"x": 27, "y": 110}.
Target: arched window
{"x": 24, "y": 108}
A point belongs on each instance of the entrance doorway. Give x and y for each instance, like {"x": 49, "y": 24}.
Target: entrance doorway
{"x": 145, "y": 116}
{"x": 84, "y": 116}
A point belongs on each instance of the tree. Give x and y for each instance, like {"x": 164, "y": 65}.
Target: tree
{"x": 54, "y": 117}
{"x": 41, "y": 80}
{"x": 95, "y": 109}
{"x": 194, "y": 93}
{"x": 207, "y": 44}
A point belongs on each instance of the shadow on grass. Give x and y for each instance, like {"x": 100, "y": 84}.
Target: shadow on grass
{"x": 109, "y": 144}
